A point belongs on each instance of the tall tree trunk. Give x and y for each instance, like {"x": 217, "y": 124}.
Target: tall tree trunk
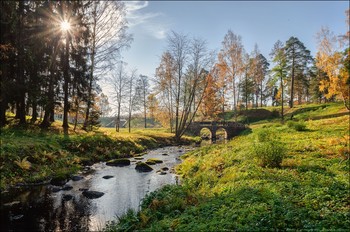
{"x": 291, "y": 102}
{"x": 3, "y": 103}
{"x": 246, "y": 88}
{"x": 65, "y": 87}
{"x": 92, "y": 68}
{"x": 50, "y": 102}
{"x": 34, "y": 112}
{"x": 20, "y": 112}
{"x": 76, "y": 115}
{"x": 117, "y": 123}
{"x": 282, "y": 101}
{"x": 261, "y": 93}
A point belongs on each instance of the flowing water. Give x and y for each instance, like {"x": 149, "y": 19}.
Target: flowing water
{"x": 44, "y": 208}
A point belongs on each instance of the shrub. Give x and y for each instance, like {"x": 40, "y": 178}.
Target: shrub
{"x": 270, "y": 153}
{"x": 265, "y": 135}
{"x": 268, "y": 149}
{"x": 298, "y": 126}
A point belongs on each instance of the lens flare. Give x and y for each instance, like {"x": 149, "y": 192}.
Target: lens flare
{"x": 65, "y": 26}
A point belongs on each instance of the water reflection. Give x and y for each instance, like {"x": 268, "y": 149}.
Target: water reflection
{"x": 39, "y": 208}
{"x": 206, "y": 142}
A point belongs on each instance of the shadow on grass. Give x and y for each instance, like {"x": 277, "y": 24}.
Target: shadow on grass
{"x": 307, "y": 168}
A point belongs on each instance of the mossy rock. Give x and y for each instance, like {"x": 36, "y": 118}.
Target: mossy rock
{"x": 143, "y": 167}
{"x": 60, "y": 178}
{"x": 153, "y": 161}
{"x": 150, "y": 162}
{"x": 118, "y": 162}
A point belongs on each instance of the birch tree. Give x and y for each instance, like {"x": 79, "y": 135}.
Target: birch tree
{"x": 109, "y": 37}
{"x": 118, "y": 81}
{"x": 231, "y": 56}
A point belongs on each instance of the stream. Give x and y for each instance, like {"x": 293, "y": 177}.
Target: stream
{"x": 50, "y": 208}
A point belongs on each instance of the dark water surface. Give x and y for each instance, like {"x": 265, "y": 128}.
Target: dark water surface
{"x": 40, "y": 208}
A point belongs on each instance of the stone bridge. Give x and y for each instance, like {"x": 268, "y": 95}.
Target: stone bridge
{"x": 232, "y": 128}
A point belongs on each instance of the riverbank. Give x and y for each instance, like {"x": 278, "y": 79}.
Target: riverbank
{"x": 92, "y": 197}
{"x": 32, "y": 156}
{"x": 235, "y": 187}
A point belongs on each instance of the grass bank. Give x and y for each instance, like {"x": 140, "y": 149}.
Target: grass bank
{"x": 31, "y": 156}
{"x": 226, "y": 187}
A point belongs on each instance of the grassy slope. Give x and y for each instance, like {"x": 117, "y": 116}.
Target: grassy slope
{"x": 32, "y": 156}
{"x": 224, "y": 188}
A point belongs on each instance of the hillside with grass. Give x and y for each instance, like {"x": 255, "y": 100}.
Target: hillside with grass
{"x": 291, "y": 176}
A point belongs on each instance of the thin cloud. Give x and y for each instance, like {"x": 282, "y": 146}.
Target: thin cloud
{"x": 135, "y": 5}
{"x": 137, "y": 16}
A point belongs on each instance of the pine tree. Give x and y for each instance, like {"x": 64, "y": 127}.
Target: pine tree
{"x": 298, "y": 58}
{"x": 279, "y": 71}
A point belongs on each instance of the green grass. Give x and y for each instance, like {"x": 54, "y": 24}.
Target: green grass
{"x": 225, "y": 187}
{"x": 30, "y": 155}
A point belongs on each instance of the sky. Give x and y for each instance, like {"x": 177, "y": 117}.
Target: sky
{"x": 257, "y": 22}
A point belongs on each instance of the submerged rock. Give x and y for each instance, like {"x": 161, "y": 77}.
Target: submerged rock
{"x": 58, "y": 181}
{"x": 92, "y": 194}
{"x": 165, "y": 169}
{"x": 162, "y": 173}
{"x": 67, "y": 197}
{"x": 77, "y": 178}
{"x": 17, "y": 217}
{"x": 11, "y": 204}
{"x": 118, "y": 162}
{"x": 164, "y": 154}
{"x": 67, "y": 187}
{"x": 56, "y": 189}
{"x": 107, "y": 177}
{"x": 83, "y": 189}
{"x": 143, "y": 167}
{"x": 139, "y": 158}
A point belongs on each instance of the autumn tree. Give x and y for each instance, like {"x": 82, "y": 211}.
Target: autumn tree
{"x": 335, "y": 63}
{"x": 152, "y": 105}
{"x": 182, "y": 76}
{"x": 211, "y": 103}
{"x": 231, "y": 57}
{"x": 165, "y": 85}
{"x": 222, "y": 83}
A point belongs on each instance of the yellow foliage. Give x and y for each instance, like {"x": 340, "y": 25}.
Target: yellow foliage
{"x": 330, "y": 60}
{"x": 144, "y": 219}
{"x": 24, "y": 163}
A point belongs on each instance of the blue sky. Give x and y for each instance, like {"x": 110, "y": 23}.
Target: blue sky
{"x": 260, "y": 22}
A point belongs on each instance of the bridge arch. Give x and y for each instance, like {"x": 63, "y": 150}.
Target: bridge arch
{"x": 221, "y": 133}
{"x": 231, "y": 128}
{"x": 205, "y": 133}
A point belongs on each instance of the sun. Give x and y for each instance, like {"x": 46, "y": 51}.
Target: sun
{"x": 65, "y": 26}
